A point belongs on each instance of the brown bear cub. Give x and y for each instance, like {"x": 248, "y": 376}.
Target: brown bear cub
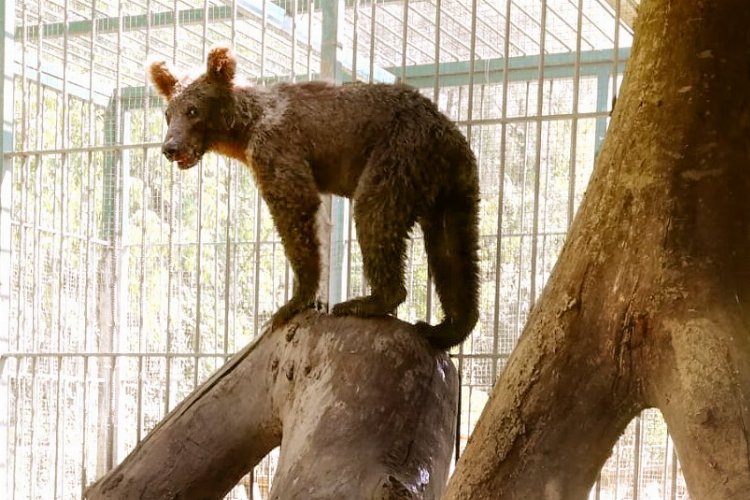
{"x": 386, "y": 147}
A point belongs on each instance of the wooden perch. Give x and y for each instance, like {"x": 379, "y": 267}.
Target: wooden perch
{"x": 365, "y": 407}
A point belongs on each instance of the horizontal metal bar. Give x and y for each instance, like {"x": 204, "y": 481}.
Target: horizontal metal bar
{"x": 533, "y": 118}
{"x": 524, "y": 234}
{"x": 65, "y": 234}
{"x": 121, "y": 147}
{"x": 521, "y": 68}
{"x": 83, "y": 149}
{"x": 129, "y": 23}
{"x": 92, "y": 354}
{"x": 37, "y": 355}
{"x": 489, "y": 355}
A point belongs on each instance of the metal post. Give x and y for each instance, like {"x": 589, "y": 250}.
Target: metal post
{"x": 7, "y": 16}
{"x": 331, "y": 213}
{"x": 602, "y": 101}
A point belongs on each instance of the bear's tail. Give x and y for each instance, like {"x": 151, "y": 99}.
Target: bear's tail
{"x": 451, "y": 236}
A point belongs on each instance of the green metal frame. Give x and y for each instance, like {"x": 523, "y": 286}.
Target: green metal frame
{"x": 521, "y": 68}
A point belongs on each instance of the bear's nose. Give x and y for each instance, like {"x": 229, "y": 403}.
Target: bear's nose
{"x": 169, "y": 150}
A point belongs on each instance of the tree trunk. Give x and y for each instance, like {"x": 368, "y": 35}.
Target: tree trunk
{"x": 365, "y": 407}
{"x": 649, "y": 304}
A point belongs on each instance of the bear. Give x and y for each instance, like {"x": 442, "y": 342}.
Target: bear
{"x": 385, "y": 146}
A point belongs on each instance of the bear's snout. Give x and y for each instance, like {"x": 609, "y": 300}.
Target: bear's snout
{"x": 169, "y": 149}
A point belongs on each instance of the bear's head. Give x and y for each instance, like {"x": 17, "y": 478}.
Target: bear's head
{"x": 200, "y": 111}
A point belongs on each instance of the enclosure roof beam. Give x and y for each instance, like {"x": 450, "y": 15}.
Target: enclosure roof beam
{"x": 106, "y": 25}
{"x": 522, "y": 68}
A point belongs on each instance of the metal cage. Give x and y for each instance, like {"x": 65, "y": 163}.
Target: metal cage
{"x": 125, "y": 283}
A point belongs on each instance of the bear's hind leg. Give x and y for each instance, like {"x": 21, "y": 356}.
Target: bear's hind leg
{"x": 383, "y": 218}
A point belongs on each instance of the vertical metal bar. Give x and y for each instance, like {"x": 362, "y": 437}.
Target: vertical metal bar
{"x": 32, "y": 432}
{"x": 355, "y": 40}
{"x": 665, "y": 469}
{"x": 544, "y": 198}
{"x": 373, "y": 26}
{"x": 21, "y": 324}
{"x": 293, "y": 61}
{"x": 436, "y": 99}
{"x": 263, "y": 40}
{"x": 522, "y": 203}
{"x": 574, "y": 124}
{"x": 256, "y": 270}
{"x": 170, "y": 246}
{"x": 227, "y": 257}
{"x": 469, "y": 118}
{"x": 617, "y": 470}
{"x": 637, "y": 457}
{"x": 6, "y": 194}
{"x": 348, "y": 205}
{"x": 501, "y": 191}
{"x": 63, "y": 143}
{"x": 436, "y": 76}
{"x": 538, "y": 158}
{"x": 37, "y": 309}
{"x": 233, "y": 25}
{"x": 111, "y": 416}
{"x": 616, "y": 48}
{"x": 602, "y": 98}
{"x": 235, "y": 250}
{"x": 310, "y": 6}
{"x": 119, "y": 237}
{"x": 674, "y": 473}
{"x": 404, "y": 36}
{"x": 331, "y": 209}
{"x": 217, "y": 252}
{"x": 7, "y": 21}
{"x": 146, "y": 103}
{"x": 199, "y": 231}
{"x": 472, "y": 67}
{"x": 258, "y": 201}
{"x": 17, "y": 408}
{"x": 59, "y": 444}
{"x": 228, "y": 229}
{"x": 39, "y": 96}
{"x": 89, "y": 217}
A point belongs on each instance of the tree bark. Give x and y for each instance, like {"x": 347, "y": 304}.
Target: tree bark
{"x": 362, "y": 408}
{"x": 648, "y": 305}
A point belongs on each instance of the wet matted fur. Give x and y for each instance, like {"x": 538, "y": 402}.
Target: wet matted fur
{"x": 386, "y": 147}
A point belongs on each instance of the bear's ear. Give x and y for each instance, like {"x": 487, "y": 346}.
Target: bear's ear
{"x": 221, "y": 64}
{"x": 163, "y": 79}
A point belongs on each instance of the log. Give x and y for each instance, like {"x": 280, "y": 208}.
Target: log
{"x": 362, "y": 408}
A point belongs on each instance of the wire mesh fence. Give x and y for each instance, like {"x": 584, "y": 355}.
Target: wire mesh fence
{"x": 131, "y": 282}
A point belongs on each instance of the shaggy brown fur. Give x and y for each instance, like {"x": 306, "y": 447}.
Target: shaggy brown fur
{"x": 387, "y": 147}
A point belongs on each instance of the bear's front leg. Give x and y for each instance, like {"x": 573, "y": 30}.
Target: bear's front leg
{"x": 293, "y": 202}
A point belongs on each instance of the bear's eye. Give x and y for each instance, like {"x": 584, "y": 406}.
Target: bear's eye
{"x": 167, "y": 116}
{"x": 192, "y": 112}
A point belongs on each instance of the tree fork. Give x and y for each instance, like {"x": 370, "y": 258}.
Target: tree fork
{"x": 366, "y": 408}
{"x": 648, "y": 305}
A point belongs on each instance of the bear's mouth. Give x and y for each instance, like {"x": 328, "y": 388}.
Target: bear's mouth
{"x": 186, "y": 160}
